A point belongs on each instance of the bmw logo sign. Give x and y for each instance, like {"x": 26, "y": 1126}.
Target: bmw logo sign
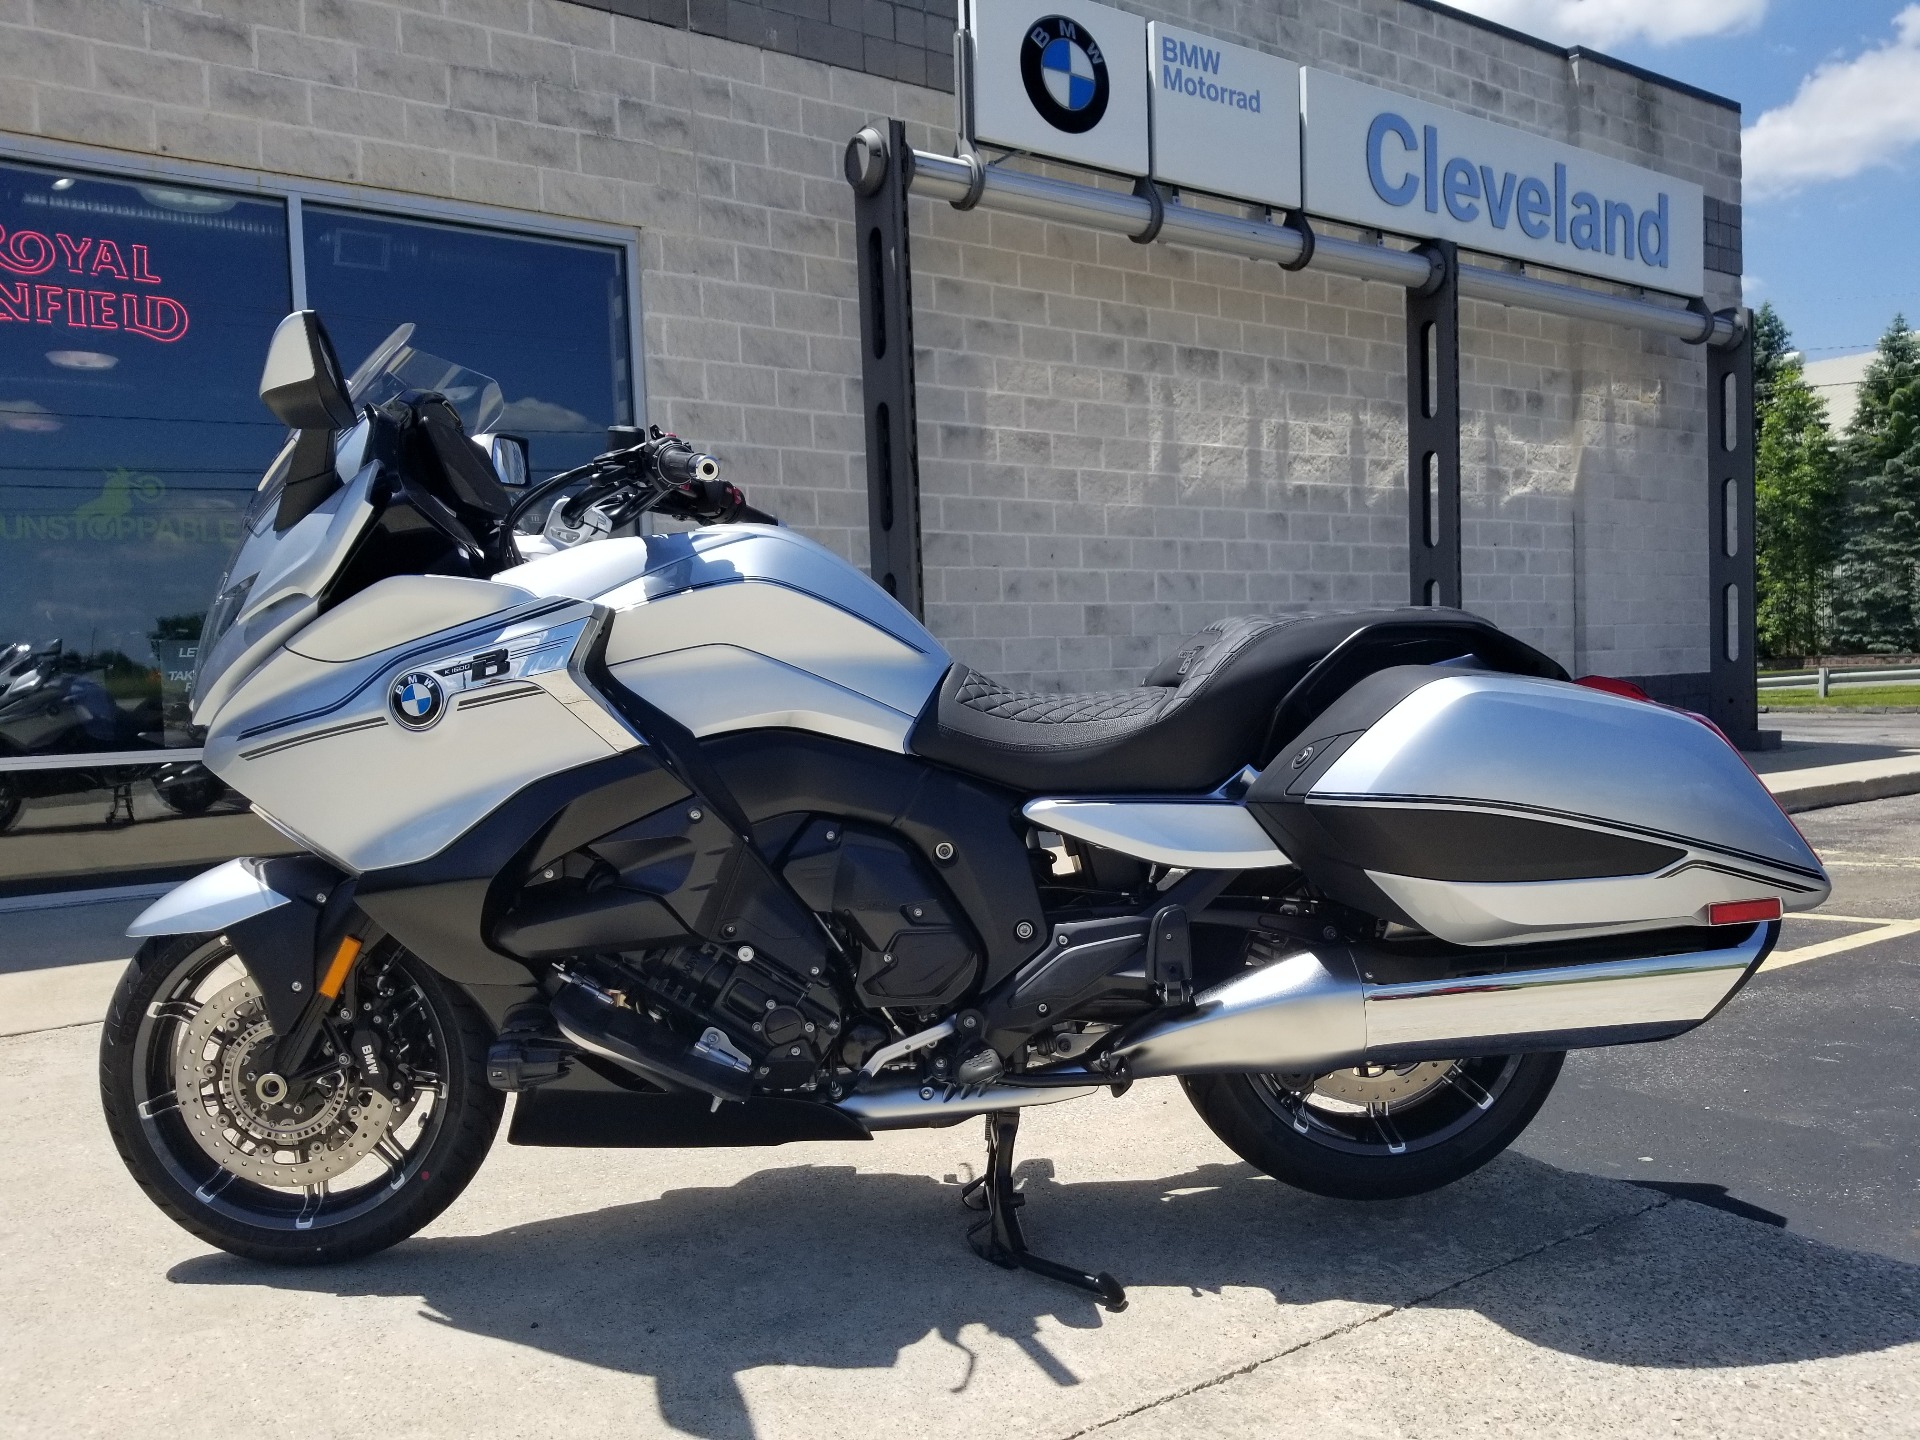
{"x": 1065, "y": 74}
{"x": 416, "y": 700}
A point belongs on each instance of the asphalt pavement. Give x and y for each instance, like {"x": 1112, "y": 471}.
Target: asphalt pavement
{"x": 1755, "y": 1275}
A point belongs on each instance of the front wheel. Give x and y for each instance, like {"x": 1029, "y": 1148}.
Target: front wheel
{"x": 373, "y": 1140}
{"x": 1376, "y": 1132}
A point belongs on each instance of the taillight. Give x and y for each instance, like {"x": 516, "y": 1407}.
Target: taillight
{"x": 1626, "y": 689}
{"x": 1744, "y": 912}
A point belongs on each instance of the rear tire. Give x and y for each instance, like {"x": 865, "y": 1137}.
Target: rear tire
{"x": 193, "y": 1155}
{"x": 1440, "y": 1126}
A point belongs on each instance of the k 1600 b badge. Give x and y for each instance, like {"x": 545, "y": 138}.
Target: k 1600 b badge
{"x": 417, "y": 700}
{"x": 1065, "y": 74}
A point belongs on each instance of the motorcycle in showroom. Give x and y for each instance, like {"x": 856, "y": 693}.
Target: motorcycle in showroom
{"x": 48, "y": 708}
{"x": 699, "y": 838}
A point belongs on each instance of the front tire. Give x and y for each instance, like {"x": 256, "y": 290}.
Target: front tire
{"x": 1376, "y": 1132}
{"x": 344, "y": 1164}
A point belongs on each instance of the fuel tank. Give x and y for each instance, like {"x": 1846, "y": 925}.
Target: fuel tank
{"x": 1496, "y": 809}
{"x": 744, "y": 627}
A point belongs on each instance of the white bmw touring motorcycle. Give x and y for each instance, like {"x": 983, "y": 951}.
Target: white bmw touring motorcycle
{"x": 701, "y": 839}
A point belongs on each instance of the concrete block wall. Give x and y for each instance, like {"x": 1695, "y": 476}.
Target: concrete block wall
{"x": 1120, "y": 443}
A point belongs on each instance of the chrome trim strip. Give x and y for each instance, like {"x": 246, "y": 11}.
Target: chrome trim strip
{"x": 1186, "y": 834}
{"x": 104, "y": 759}
{"x": 500, "y": 697}
{"x": 312, "y": 735}
{"x": 437, "y": 645}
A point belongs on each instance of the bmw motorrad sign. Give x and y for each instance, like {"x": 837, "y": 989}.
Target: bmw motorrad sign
{"x": 1060, "y": 78}
{"x": 1226, "y": 119}
{"x": 1378, "y": 158}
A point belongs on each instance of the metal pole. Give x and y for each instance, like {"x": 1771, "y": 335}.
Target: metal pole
{"x": 1433, "y": 431}
{"x": 1732, "y": 698}
{"x": 880, "y": 169}
{"x": 967, "y": 184}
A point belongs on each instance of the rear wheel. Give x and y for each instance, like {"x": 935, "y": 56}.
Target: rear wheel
{"x": 345, "y": 1159}
{"x": 1377, "y": 1132}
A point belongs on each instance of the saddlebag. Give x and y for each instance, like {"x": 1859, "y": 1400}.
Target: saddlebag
{"x": 1495, "y": 809}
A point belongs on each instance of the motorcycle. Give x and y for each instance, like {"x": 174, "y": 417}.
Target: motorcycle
{"x": 46, "y": 708}
{"x": 699, "y": 838}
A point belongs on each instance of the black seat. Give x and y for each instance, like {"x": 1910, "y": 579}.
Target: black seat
{"x": 1231, "y": 696}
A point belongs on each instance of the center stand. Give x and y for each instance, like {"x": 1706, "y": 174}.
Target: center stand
{"x": 998, "y": 1238}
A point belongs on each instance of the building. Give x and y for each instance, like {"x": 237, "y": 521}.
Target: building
{"x": 1836, "y": 380}
{"x": 627, "y": 208}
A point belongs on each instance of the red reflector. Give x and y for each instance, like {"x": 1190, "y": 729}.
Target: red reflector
{"x": 1624, "y": 688}
{"x": 1743, "y": 912}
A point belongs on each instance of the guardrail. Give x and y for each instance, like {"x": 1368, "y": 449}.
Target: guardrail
{"x": 1825, "y": 677}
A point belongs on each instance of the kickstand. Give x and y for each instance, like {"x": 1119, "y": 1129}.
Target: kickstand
{"x": 998, "y": 1238}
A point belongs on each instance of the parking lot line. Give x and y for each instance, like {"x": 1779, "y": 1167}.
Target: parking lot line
{"x": 1882, "y": 930}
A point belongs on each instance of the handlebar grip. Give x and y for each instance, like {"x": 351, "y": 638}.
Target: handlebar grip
{"x": 681, "y": 467}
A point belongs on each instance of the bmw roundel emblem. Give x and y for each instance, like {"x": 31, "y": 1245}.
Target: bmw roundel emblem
{"x": 416, "y": 700}
{"x": 1065, "y": 74}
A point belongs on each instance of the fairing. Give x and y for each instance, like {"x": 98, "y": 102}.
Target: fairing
{"x": 744, "y": 627}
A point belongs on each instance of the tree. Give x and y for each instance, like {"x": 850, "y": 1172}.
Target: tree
{"x": 1877, "y": 582}
{"x": 1797, "y": 491}
{"x": 1772, "y": 346}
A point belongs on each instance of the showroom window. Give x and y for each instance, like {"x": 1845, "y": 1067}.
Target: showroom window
{"x": 546, "y": 318}
{"x": 134, "y": 317}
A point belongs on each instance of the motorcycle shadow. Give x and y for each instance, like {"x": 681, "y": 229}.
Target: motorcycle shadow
{"x": 822, "y": 1267}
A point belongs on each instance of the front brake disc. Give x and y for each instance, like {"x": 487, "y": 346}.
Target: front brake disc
{"x": 304, "y": 1137}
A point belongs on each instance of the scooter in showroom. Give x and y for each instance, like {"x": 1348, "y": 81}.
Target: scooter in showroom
{"x": 700, "y": 838}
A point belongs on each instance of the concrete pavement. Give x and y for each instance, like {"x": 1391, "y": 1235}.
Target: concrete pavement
{"x": 1833, "y": 758}
{"x": 827, "y": 1290}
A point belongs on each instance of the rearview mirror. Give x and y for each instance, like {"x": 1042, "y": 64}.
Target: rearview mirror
{"x": 302, "y": 383}
{"x": 509, "y": 456}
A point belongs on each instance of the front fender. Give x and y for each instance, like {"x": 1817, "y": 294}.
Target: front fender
{"x": 213, "y": 900}
{"x": 277, "y": 914}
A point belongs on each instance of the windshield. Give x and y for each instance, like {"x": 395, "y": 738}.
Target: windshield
{"x": 393, "y": 368}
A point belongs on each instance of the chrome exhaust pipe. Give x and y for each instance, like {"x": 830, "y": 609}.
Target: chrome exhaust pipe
{"x": 913, "y": 1106}
{"x": 1319, "y": 1010}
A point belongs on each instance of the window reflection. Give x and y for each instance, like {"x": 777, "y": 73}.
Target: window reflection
{"x": 546, "y": 318}
{"x": 132, "y": 322}
{"x": 134, "y": 317}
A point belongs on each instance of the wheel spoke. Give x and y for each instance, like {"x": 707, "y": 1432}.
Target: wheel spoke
{"x": 310, "y": 1206}
{"x": 1469, "y": 1087}
{"x": 1388, "y": 1133}
{"x": 181, "y": 1010}
{"x": 388, "y": 1152}
{"x": 217, "y": 1182}
{"x": 159, "y": 1104}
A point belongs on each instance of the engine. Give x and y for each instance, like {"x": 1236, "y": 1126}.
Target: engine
{"x": 684, "y": 958}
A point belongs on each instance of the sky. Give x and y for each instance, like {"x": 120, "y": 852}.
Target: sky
{"x": 1829, "y": 92}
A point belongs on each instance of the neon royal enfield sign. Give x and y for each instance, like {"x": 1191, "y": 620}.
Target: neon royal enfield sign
{"x": 64, "y": 280}
{"x": 1376, "y": 158}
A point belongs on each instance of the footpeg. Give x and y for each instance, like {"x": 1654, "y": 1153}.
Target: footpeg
{"x": 1170, "y": 955}
{"x": 999, "y": 1239}
{"x": 528, "y": 1052}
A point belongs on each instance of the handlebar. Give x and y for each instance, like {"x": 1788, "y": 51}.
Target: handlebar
{"x": 684, "y": 467}
{"x": 659, "y": 471}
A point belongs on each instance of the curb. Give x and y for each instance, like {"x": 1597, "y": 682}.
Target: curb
{"x": 1797, "y": 798}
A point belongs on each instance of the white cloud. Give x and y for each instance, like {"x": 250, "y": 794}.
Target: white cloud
{"x": 1848, "y": 116}
{"x": 1614, "y": 22}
